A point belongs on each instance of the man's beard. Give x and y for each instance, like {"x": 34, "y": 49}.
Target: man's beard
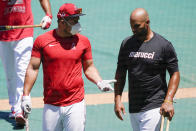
{"x": 141, "y": 34}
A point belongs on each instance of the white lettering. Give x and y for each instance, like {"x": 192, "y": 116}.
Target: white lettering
{"x": 142, "y": 55}
{"x": 132, "y": 54}
{"x": 146, "y": 55}
{"x": 19, "y": 9}
{"x": 136, "y": 54}
{"x": 152, "y": 55}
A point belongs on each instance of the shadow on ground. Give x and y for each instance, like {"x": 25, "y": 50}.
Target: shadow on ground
{"x": 5, "y": 116}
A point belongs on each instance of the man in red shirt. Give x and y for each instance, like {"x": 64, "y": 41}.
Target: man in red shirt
{"x": 16, "y": 46}
{"x": 64, "y": 53}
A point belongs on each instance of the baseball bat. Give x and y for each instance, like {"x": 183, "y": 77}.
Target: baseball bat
{"x": 7, "y": 27}
{"x": 162, "y": 122}
{"x": 167, "y": 127}
{"x": 27, "y": 121}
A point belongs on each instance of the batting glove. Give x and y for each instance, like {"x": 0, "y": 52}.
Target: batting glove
{"x": 26, "y": 104}
{"x": 104, "y": 85}
{"x": 46, "y": 22}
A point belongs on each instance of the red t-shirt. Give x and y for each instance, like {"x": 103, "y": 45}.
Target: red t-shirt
{"x": 15, "y": 12}
{"x": 62, "y": 66}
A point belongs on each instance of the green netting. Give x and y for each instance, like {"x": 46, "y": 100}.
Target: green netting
{"x": 106, "y": 25}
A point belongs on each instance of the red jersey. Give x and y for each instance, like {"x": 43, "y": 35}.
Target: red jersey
{"x": 15, "y": 12}
{"x": 62, "y": 66}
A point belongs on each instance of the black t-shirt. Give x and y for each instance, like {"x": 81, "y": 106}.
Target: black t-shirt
{"x": 147, "y": 64}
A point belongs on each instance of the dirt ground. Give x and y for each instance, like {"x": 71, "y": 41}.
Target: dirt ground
{"x": 103, "y": 98}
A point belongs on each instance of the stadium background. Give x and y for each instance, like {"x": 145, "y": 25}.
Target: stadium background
{"x": 106, "y": 25}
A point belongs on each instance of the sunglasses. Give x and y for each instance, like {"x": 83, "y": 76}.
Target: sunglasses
{"x": 78, "y": 11}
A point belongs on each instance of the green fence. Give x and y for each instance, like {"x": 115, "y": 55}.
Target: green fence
{"x": 106, "y": 24}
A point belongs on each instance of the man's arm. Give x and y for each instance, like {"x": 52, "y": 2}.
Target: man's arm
{"x": 31, "y": 75}
{"x": 172, "y": 86}
{"x": 46, "y": 20}
{"x": 46, "y": 6}
{"x": 167, "y": 108}
{"x": 30, "y": 78}
{"x": 118, "y": 89}
{"x": 92, "y": 74}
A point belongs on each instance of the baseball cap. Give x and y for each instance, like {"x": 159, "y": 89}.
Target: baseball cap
{"x": 69, "y": 10}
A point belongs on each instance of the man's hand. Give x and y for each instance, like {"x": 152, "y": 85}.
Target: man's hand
{"x": 167, "y": 110}
{"x": 46, "y": 22}
{"x": 104, "y": 85}
{"x": 119, "y": 109}
{"x": 26, "y": 104}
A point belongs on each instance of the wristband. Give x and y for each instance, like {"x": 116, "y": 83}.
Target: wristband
{"x": 98, "y": 82}
{"x": 167, "y": 101}
{"x": 26, "y": 97}
{"x": 49, "y": 16}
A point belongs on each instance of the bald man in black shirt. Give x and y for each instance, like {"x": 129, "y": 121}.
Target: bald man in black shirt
{"x": 146, "y": 56}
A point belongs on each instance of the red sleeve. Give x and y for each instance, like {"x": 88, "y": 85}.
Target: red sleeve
{"x": 36, "y": 51}
{"x": 87, "y": 55}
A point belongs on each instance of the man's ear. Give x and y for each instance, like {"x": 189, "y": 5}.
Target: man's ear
{"x": 148, "y": 22}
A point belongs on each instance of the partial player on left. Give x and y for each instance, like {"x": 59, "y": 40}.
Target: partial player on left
{"x": 16, "y": 46}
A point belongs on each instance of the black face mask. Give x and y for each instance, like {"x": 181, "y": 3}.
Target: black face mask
{"x": 142, "y": 33}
